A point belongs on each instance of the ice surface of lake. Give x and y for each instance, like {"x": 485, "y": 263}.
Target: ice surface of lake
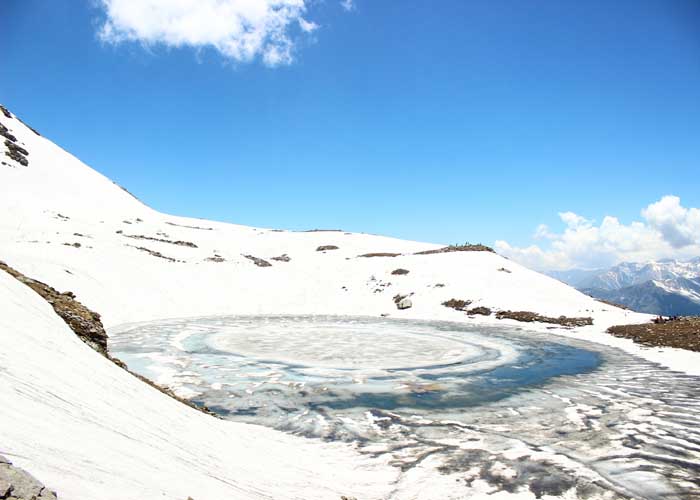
{"x": 519, "y": 410}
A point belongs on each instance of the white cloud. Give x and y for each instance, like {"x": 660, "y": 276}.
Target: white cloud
{"x": 543, "y": 233}
{"x": 307, "y": 26}
{"x": 241, "y": 30}
{"x": 680, "y": 226}
{"x": 348, "y": 5}
{"x": 669, "y": 230}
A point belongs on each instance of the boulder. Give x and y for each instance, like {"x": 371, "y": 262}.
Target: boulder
{"x": 400, "y": 272}
{"x": 404, "y": 303}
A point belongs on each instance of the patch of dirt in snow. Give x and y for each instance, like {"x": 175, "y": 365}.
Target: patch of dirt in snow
{"x": 483, "y": 311}
{"x": 531, "y": 317}
{"x": 682, "y": 333}
{"x": 457, "y": 304}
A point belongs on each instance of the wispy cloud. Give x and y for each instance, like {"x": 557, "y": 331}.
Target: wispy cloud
{"x": 348, "y": 5}
{"x": 668, "y": 230}
{"x": 241, "y": 30}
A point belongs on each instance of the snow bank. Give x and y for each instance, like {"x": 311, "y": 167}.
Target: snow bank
{"x": 90, "y": 430}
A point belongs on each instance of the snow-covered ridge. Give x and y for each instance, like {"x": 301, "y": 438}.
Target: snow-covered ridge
{"x": 69, "y": 226}
{"x": 57, "y": 202}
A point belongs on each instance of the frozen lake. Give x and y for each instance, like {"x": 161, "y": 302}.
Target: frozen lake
{"x": 514, "y": 409}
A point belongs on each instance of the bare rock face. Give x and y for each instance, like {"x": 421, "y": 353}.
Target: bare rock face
{"x": 5, "y": 132}
{"x": 324, "y": 248}
{"x": 14, "y": 151}
{"x": 18, "y": 484}
{"x": 85, "y": 323}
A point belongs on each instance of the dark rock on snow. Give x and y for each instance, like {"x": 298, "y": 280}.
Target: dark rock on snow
{"x": 258, "y": 261}
{"x": 18, "y": 484}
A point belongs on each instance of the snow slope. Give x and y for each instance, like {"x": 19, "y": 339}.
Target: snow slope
{"x": 93, "y": 431}
{"x": 137, "y": 442}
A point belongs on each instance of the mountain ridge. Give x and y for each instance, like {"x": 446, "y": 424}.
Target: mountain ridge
{"x": 665, "y": 287}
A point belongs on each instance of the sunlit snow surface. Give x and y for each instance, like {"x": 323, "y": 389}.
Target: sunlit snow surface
{"x": 518, "y": 410}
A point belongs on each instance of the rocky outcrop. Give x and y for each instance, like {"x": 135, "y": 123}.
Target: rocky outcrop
{"x": 400, "y": 272}
{"x": 323, "y": 248}
{"x": 481, "y": 310}
{"x": 155, "y": 253}
{"x": 379, "y": 254}
{"x": 18, "y": 484}
{"x": 463, "y": 305}
{"x": 5, "y": 132}
{"x": 282, "y": 258}
{"x": 85, "y": 323}
{"x": 258, "y": 261}
{"x": 531, "y": 317}
{"x": 467, "y": 247}
{"x": 14, "y": 151}
{"x": 215, "y": 258}
{"x": 161, "y": 240}
{"x": 405, "y": 303}
{"x": 402, "y": 301}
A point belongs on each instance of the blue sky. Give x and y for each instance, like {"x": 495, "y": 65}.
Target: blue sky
{"x": 445, "y": 121}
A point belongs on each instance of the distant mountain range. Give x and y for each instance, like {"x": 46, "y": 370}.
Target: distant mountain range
{"x": 667, "y": 287}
